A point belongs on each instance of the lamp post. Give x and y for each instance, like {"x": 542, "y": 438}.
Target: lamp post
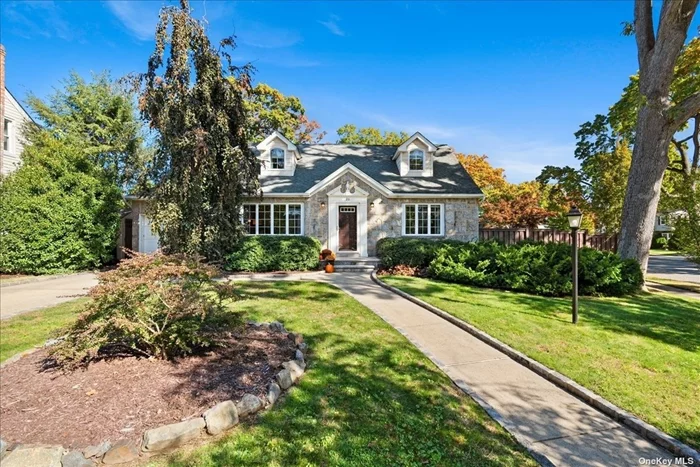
{"x": 574, "y": 217}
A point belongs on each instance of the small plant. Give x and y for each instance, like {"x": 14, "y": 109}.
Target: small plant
{"x": 155, "y": 305}
{"x": 327, "y": 255}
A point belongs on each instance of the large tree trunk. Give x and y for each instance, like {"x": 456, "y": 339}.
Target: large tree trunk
{"x": 657, "y": 121}
{"x": 649, "y": 162}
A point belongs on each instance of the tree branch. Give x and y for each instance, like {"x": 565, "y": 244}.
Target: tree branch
{"x": 643, "y": 30}
{"x": 685, "y": 110}
{"x": 685, "y": 163}
{"x": 696, "y": 143}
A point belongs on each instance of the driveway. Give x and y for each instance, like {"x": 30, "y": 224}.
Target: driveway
{"x": 42, "y": 293}
{"x": 674, "y": 268}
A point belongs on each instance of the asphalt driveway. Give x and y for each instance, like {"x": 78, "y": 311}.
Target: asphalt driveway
{"x": 674, "y": 268}
{"x": 42, "y": 293}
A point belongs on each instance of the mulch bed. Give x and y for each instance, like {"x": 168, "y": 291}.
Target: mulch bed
{"x": 121, "y": 398}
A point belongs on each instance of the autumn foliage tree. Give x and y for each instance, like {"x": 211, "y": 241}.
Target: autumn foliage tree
{"x": 202, "y": 166}
{"x": 487, "y": 177}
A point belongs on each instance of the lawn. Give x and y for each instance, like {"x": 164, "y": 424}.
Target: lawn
{"x": 663, "y": 253}
{"x": 689, "y": 286}
{"x": 641, "y": 353}
{"x": 368, "y": 397}
{"x": 26, "y": 331}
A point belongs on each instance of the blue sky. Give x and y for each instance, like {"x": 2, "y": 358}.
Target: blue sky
{"x": 512, "y": 80}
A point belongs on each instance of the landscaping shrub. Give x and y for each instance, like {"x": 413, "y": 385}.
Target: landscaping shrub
{"x": 538, "y": 268}
{"x": 264, "y": 253}
{"x": 414, "y": 252}
{"x": 150, "y": 305}
{"x": 58, "y": 212}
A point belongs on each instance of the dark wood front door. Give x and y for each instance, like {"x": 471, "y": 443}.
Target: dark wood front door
{"x": 347, "y": 225}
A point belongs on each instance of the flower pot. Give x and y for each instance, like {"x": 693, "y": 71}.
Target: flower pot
{"x": 329, "y": 268}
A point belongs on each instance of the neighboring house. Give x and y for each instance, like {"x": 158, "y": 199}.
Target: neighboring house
{"x": 662, "y": 223}
{"x": 349, "y": 196}
{"x": 13, "y": 118}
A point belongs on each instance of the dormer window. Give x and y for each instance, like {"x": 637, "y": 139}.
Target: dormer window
{"x": 277, "y": 158}
{"x": 416, "y": 160}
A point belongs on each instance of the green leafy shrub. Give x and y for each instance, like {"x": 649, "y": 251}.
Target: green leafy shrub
{"x": 264, "y": 253}
{"x": 539, "y": 268}
{"x": 58, "y": 212}
{"x": 150, "y": 305}
{"x": 413, "y": 252}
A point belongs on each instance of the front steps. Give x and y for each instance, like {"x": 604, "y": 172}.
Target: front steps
{"x": 355, "y": 263}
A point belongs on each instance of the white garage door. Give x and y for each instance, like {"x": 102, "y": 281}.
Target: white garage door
{"x": 148, "y": 240}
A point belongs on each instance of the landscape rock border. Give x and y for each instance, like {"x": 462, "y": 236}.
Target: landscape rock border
{"x": 637, "y": 425}
{"x": 214, "y": 421}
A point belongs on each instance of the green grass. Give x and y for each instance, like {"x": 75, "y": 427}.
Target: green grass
{"x": 663, "y": 253}
{"x": 641, "y": 353}
{"x": 689, "y": 286}
{"x": 26, "y": 331}
{"x": 368, "y": 398}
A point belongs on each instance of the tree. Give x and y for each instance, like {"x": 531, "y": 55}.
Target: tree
{"x": 598, "y": 187}
{"x": 515, "y": 206}
{"x": 487, "y": 177}
{"x": 350, "y": 134}
{"x": 99, "y": 118}
{"x": 58, "y": 211}
{"x": 202, "y": 166}
{"x": 268, "y": 110}
{"x": 658, "y": 118}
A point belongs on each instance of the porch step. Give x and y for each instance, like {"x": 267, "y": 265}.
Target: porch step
{"x": 354, "y": 267}
{"x": 355, "y": 263}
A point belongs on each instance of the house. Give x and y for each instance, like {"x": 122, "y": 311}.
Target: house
{"x": 349, "y": 196}
{"x": 13, "y": 118}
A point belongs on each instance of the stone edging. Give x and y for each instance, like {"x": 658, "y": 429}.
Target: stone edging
{"x": 214, "y": 421}
{"x": 644, "y": 429}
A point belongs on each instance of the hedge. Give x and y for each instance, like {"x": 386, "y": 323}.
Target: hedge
{"x": 538, "y": 268}
{"x": 265, "y": 253}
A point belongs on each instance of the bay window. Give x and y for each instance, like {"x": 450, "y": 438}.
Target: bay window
{"x": 423, "y": 219}
{"x": 272, "y": 219}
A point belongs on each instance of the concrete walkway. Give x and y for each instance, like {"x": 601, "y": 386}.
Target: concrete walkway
{"x": 25, "y": 297}
{"x": 543, "y": 417}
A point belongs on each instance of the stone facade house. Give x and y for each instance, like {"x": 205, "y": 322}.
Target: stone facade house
{"x": 350, "y": 196}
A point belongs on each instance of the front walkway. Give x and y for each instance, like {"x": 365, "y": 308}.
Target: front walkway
{"x": 543, "y": 417}
{"x": 16, "y": 299}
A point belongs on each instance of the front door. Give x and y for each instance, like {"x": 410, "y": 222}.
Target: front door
{"x": 347, "y": 228}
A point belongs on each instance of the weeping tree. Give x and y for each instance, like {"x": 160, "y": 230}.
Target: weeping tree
{"x": 202, "y": 167}
{"x": 658, "y": 118}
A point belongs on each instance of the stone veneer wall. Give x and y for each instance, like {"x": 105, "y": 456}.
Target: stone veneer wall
{"x": 384, "y": 219}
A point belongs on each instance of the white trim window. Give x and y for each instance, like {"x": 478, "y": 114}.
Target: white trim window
{"x": 423, "y": 219}
{"x": 416, "y": 160}
{"x": 273, "y": 219}
{"x": 6, "y": 135}
{"x": 277, "y": 158}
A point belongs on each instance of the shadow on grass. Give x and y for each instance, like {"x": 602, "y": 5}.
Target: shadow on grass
{"x": 671, "y": 320}
{"x": 368, "y": 397}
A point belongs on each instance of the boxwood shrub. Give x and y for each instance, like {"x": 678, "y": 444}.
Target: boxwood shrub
{"x": 264, "y": 253}
{"x": 538, "y": 268}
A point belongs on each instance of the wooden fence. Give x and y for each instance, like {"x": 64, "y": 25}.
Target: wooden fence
{"x": 603, "y": 242}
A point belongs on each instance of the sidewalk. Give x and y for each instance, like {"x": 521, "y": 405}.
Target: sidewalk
{"x": 543, "y": 417}
{"x": 16, "y": 299}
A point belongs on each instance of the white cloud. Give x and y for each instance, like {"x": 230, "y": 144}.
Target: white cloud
{"x": 332, "y": 25}
{"x": 31, "y": 18}
{"x": 140, "y": 18}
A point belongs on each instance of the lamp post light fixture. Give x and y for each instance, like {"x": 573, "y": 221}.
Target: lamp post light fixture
{"x": 574, "y": 217}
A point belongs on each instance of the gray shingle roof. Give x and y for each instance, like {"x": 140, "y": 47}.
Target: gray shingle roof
{"x": 320, "y": 160}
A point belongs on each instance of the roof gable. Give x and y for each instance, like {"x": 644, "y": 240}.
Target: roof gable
{"x": 416, "y": 136}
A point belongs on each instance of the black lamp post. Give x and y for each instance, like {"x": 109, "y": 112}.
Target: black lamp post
{"x": 574, "y": 216}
